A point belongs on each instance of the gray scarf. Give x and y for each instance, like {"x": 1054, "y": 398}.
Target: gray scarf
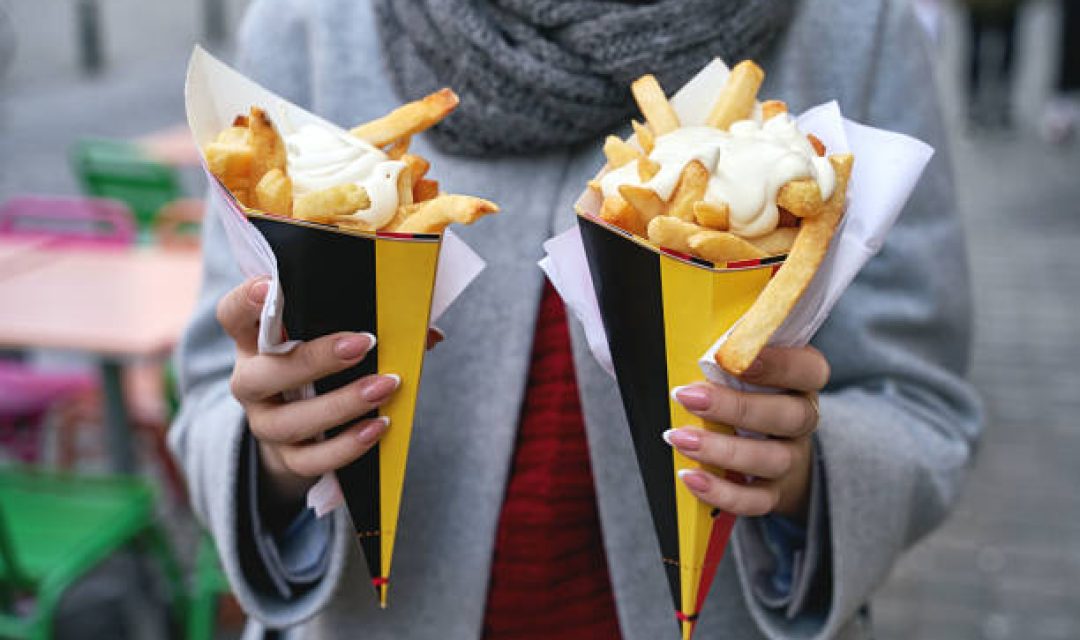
{"x": 536, "y": 74}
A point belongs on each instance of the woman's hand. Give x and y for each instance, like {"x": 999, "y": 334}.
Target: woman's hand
{"x": 780, "y": 464}
{"x": 286, "y": 432}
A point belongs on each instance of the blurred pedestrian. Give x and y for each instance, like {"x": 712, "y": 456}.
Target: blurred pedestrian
{"x": 1063, "y": 109}
{"x": 7, "y": 39}
{"x": 989, "y": 100}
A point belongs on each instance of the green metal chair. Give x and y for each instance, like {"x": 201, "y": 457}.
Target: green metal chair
{"x": 207, "y": 580}
{"x": 118, "y": 169}
{"x": 208, "y": 584}
{"x": 55, "y": 529}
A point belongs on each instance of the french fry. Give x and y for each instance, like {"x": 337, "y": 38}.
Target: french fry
{"x": 774, "y": 304}
{"x": 736, "y": 99}
{"x": 772, "y": 108}
{"x": 405, "y": 187}
{"x": 672, "y": 233}
{"x": 646, "y": 169}
{"x": 617, "y": 211}
{"x": 435, "y": 215}
{"x": 654, "y": 105}
{"x": 691, "y": 189}
{"x": 229, "y": 158}
{"x": 819, "y": 146}
{"x": 267, "y": 147}
{"x": 619, "y": 152}
{"x": 425, "y": 189}
{"x": 776, "y": 242}
{"x": 328, "y": 204}
{"x": 273, "y": 194}
{"x": 645, "y": 200}
{"x": 722, "y": 246}
{"x": 400, "y": 216}
{"x": 801, "y": 197}
{"x": 644, "y": 136}
{"x": 418, "y": 165}
{"x": 713, "y": 216}
{"x": 408, "y": 119}
{"x": 237, "y": 136}
{"x": 232, "y": 166}
{"x": 250, "y": 160}
{"x": 398, "y": 148}
{"x": 595, "y": 185}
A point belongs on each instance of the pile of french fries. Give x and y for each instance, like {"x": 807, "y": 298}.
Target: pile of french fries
{"x": 688, "y": 224}
{"x": 249, "y": 158}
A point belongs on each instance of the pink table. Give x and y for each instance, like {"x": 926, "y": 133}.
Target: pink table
{"x": 18, "y": 252}
{"x": 118, "y": 305}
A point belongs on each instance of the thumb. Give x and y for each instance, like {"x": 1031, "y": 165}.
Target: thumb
{"x": 238, "y": 312}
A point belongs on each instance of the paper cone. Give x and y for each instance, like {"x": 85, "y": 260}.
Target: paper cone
{"x": 336, "y": 280}
{"x": 661, "y": 310}
{"x": 332, "y": 280}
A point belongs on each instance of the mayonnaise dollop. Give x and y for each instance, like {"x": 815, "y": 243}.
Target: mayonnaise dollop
{"x": 747, "y": 166}
{"x": 319, "y": 158}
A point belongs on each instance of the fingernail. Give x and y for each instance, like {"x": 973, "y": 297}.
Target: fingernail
{"x": 695, "y": 480}
{"x": 379, "y": 387}
{"x": 371, "y": 432}
{"x": 684, "y": 439}
{"x": 693, "y": 398}
{"x": 352, "y": 347}
{"x": 257, "y": 291}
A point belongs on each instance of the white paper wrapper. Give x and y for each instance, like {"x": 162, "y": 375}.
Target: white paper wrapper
{"x": 214, "y": 94}
{"x": 887, "y": 168}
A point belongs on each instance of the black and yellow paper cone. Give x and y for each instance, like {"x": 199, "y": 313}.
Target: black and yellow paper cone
{"x": 336, "y": 280}
{"x": 661, "y": 311}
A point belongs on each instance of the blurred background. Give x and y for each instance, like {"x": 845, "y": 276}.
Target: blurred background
{"x": 93, "y": 294}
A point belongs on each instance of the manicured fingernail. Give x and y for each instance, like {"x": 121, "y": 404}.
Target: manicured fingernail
{"x": 379, "y": 387}
{"x": 693, "y": 398}
{"x": 257, "y": 291}
{"x": 695, "y": 480}
{"x": 352, "y": 347}
{"x": 371, "y": 432}
{"x": 684, "y": 439}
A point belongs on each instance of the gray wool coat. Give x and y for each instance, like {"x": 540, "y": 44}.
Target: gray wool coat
{"x": 898, "y": 421}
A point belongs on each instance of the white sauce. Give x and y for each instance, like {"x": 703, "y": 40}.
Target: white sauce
{"x": 747, "y": 166}
{"x": 319, "y": 158}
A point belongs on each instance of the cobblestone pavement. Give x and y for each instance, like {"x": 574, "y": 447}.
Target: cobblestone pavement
{"x": 1007, "y": 563}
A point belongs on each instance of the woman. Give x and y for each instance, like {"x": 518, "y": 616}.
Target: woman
{"x": 989, "y": 104}
{"x": 506, "y": 534}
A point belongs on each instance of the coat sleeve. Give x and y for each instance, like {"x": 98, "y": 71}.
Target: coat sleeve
{"x": 899, "y": 422}
{"x": 208, "y": 433}
{"x": 207, "y": 438}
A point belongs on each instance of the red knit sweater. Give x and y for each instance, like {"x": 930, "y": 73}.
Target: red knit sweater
{"x": 549, "y": 577}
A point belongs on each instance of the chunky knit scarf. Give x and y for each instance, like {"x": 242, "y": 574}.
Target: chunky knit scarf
{"x": 536, "y": 74}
